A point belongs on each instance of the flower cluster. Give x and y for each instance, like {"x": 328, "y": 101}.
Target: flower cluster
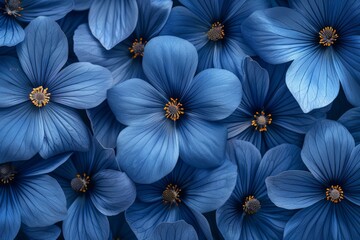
{"x": 179, "y": 119}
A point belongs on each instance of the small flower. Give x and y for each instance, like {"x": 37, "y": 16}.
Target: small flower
{"x": 327, "y": 194}
{"x": 249, "y": 213}
{"x": 95, "y": 189}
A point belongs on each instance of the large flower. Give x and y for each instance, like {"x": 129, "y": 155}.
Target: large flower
{"x": 268, "y": 114}
{"x": 321, "y": 37}
{"x": 249, "y": 213}
{"x": 12, "y": 11}
{"x": 213, "y": 26}
{"x": 183, "y": 194}
{"x": 29, "y": 196}
{"x": 174, "y": 113}
{"x": 38, "y": 98}
{"x": 94, "y": 189}
{"x": 328, "y": 195}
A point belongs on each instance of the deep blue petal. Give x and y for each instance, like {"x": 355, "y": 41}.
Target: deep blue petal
{"x": 213, "y": 95}
{"x": 120, "y": 228}
{"x": 43, "y": 52}
{"x": 135, "y": 102}
{"x": 113, "y": 192}
{"x": 105, "y": 127}
{"x": 276, "y": 135}
{"x": 81, "y": 85}
{"x": 206, "y": 56}
{"x": 326, "y": 150}
{"x": 178, "y": 230}
{"x": 351, "y": 176}
{"x": 208, "y": 10}
{"x": 347, "y": 215}
{"x": 41, "y": 201}
{"x": 10, "y": 219}
{"x": 202, "y": 143}
{"x": 170, "y": 64}
{"x": 11, "y": 33}
{"x": 84, "y": 221}
{"x": 294, "y": 189}
{"x": 111, "y": 21}
{"x": 64, "y": 131}
{"x": 41, "y": 233}
{"x": 65, "y": 184}
{"x": 14, "y": 85}
{"x": 22, "y": 126}
{"x": 350, "y": 120}
{"x": 227, "y": 53}
{"x": 149, "y": 152}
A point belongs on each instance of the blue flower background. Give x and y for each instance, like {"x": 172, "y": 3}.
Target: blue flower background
{"x": 179, "y": 119}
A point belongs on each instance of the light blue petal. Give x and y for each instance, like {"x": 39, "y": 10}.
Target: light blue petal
{"x": 41, "y": 233}
{"x": 64, "y": 131}
{"x": 111, "y": 21}
{"x": 185, "y": 24}
{"x": 170, "y": 64}
{"x": 202, "y": 143}
{"x": 148, "y": 153}
{"x": 105, "y": 127}
{"x": 135, "y": 102}
{"x": 11, "y": 33}
{"x": 306, "y": 76}
{"x": 41, "y": 201}
{"x": 279, "y": 34}
{"x": 43, "y": 52}
{"x": 214, "y": 94}
{"x": 54, "y": 9}
{"x": 81, "y": 85}
{"x": 22, "y": 132}
{"x": 14, "y": 85}
{"x": 113, "y": 192}
{"x": 210, "y": 188}
{"x": 178, "y": 230}
{"x": 10, "y": 219}
{"x": 294, "y": 189}
{"x": 84, "y": 221}
{"x": 350, "y": 120}
{"x": 326, "y": 150}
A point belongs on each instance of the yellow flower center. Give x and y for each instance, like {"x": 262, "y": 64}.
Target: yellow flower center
{"x": 137, "y": 48}
{"x": 13, "y": 7}
{"x": 171, "y": 195}
{"x": 334, "y": 194}
{"x": 327, "y": 36}
{"x": 216, "y": 32}
{"x": 80, "y": 183}
{"x": 251, "y": 205}
{"x": 173, "y": 109}
{"x": 39, "y": 96}
{"x": 261, "y": 120}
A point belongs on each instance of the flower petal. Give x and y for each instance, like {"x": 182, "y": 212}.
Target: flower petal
{"x": 347, "y": 215}
{"x": 170, "y": 64}
{"x": 41, "y": 200}
{"x": 294, "y": 189}
{"x": 22, "y": 132}
{"x": 64, "y": 131}
{"x": 135, "y": 102}
{"x": 81, "y": 85}
{"x": 11, "y": 33}
{"x": 10, "y": 219}
{"x": 351, "y": 176}
{"x": 326, "y": 150}
{"x": 350, "y": 120}
{"x": 43, "y": 52}
{"x": 111, "y": 21}
{"x": 148, "y": 153}
{"x": 41, "y": 233}
{"x": 81, "y": 5}
{"x": 84, "y": 221}
{"x": 208, "y": 10}
{"x": 213, "y": 95}
{"x": 209, "y": 139}
{"x": 178, "y": 230}
{"x": 228, "y": 54}
{"x": 113, "y": 192}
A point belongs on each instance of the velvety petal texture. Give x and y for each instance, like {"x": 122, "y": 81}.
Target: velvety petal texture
{"x": 179, "y": 230}
{"x": 11, "y": 33}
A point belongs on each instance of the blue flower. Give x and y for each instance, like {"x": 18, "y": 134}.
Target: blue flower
{"x": 327, "y": 194}
{"x": 249, "y": 213}
{"x": 213, "y": 26}
{"x": 94, "y": 189}
{"x": 15, "y": 12}
{"x": 178, "y": 230}
{"x": 124, "y": 61}
{"x": 183, "y": 194}
{"x": 29, "y": 196}
{"x": 39, "y": 100}
{"x": 268, "y": 114}
{"x": 321, "y": 38}
{"x": 174, "y": 113}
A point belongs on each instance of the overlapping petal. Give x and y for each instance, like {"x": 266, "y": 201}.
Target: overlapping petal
{"x": 11, "y": 33}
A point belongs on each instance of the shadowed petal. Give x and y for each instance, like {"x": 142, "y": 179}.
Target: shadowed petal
{"x": 10, "y": 219}
{"x": 11, "y": 33}
{"x": 351, "y": 176}
{"x": 350, "y": 120}
{"x": 41, "y": 233}
{"x": 179, "y": 230}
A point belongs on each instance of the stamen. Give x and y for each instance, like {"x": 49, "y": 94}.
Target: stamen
{"x": 80, "y": 183}
{"x": 137, "y": 48}
{"x": 328, "y": 36}
{"x": 13, "y": 7}
{"x": 7, "y": 173}
{"x": 173, "y": 109}
{"x": 261, "y": 121}
{"x": 334, "y": 194}
{"x": 171, "y": 195}
{"x": 251, "y": 205}
{"x": 216, "y": 32}
{"x": 39, "y": 96}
